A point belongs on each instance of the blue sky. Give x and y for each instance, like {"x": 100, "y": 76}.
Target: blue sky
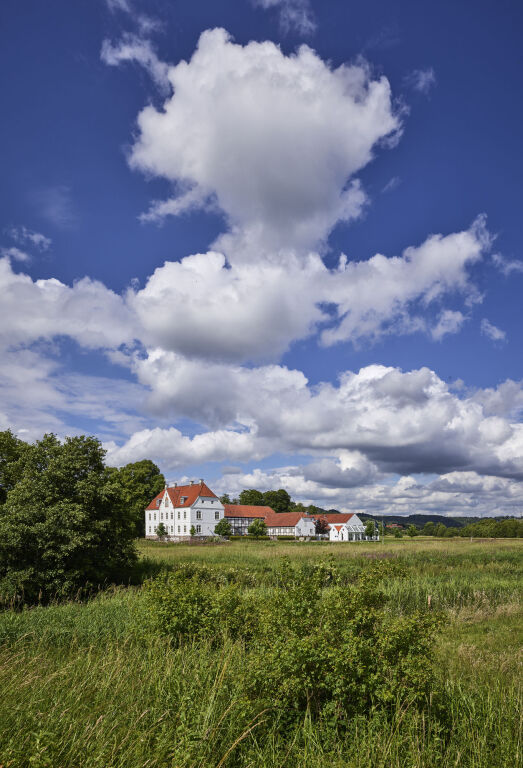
{"x": 389, "y": 383}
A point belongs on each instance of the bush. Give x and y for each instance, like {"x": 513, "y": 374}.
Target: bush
{"x": 312, "y": 645}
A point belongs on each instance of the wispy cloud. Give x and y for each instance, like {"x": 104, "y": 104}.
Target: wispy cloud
{"x": 295, "y": 15}
{"x": 491, "y": 331}
{"x": 507, "y": 266}
{"x": 23, "y": 235}
{"x": 421, "y": 80}
{"x": 55, "y": 204}
{"x": 15, "y": 253}
{"x": 392, "y": 184}
{"x": 133, "y": 48}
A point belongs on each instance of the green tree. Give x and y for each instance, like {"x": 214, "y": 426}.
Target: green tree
{"x": 278, "y": 500}
{"x": 140, "y": 482}
{"x": 412, "y": 531}
{"x": 192, "y": 531}
{"x": 161, "y": 531}
{"x": 65, "y": 525}
{"x": 225, "y": 499}
{"x": 429, "y": 528}
{"x": 440, "y": 530}
{"x": 223, "y": 527}
{"x": 370, "y": 528}
{"x": 252, "y": 497}
{"x": 257, "y": 529}
{"x": 12, "y": 449}
{"x": 398, "y": 533}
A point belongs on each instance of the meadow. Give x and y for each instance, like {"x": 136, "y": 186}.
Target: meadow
{"x": 87, "y": 684}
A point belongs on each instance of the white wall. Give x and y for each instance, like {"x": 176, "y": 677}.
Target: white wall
{"x": 178, "y": 520}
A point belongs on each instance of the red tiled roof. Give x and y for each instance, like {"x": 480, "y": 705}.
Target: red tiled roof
{"x": 286, "y": 519}
{"x": 247, "y": 510}
{"x": 190, "y": 492}
{"x": 333, "y": 518}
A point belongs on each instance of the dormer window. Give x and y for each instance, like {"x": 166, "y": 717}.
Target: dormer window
{"x": 158, "y": 502}
{"x": 166, "y": 501}
{"x": 183, "y": 499}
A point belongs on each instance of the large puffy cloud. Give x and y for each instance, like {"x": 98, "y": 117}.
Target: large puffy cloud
{"x": 274, "y": 139}
{"x": 400, "y": 422}
{"x": 88, "y": 312}
{"x": 204, "y": 307}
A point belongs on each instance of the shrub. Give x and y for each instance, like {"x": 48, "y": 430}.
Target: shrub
{"x": 311, "y": 644}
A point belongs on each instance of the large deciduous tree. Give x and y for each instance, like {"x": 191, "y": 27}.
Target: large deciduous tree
{"x": 65, "y": 526}
{"x": 140, "y": 482}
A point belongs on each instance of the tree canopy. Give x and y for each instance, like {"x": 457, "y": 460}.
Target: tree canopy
{"x": 65, "y": 525}
{"x": 140, "y": 482}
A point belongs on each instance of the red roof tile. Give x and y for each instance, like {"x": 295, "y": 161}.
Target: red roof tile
{"x": 247, "y": 510}
{"x": 189, "y": 492}
{"x": 333, "y": 518}
{"x": 286, "y": 519}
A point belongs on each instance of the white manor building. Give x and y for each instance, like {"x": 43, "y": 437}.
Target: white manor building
{"x": 182, "y": 508}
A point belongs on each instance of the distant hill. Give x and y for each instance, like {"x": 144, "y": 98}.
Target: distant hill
{"x": 417, "y": 520}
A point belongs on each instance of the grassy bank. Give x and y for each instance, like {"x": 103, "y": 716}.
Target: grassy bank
{"x": 84, "y": 685}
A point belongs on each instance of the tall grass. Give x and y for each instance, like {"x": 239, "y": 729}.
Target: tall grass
{"x": 81, "y": 684}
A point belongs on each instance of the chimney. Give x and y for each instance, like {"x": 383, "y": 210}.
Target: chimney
{"x": 192, "y": 482}
{"x": 201, "y": 480}
{"x": 175, "y": 485}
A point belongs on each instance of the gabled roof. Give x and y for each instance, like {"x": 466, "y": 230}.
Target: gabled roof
{"x": 247, "y": 510}
{"x": 333, "y": 518}
{"x": 189, "y": 492}
{"x": 338, "y": 527}
{"x": 286, "y": 519}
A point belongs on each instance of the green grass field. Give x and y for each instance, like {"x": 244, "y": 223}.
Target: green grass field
{"x": 82, "y": 684}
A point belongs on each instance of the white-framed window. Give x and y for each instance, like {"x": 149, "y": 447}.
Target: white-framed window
{"x": 185, "y": 514}
{"x": 183, "y": 499}
{"x": 198, "y": 529}
{"x": 212, "y": 501}
{"x": 166, "y": 501}
{"x": 178, "y": 529}
{"x": 198, "y": 514}
{"x": 216, "y": 515}
{"x": 149, "y": 515}
{"x": 158, "y": 502}
{"x": 178, "y": 514}
{"x": 161, "y": 515}
{"x": 185, "y": 529}
{"x": 155, "y": 515}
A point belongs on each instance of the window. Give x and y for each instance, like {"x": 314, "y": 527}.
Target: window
{"x": 183, "y": 499}
{"x": 216, "y": 515}
{"x": 161, "y": 515}
{"x": 185, "y": 514}
{"x": 166, "y": 501}
{"x": 172, "y": 514}
{"x": 178, "y": 529}
{"x": 185, "y": 529}
{"x": 155, "y": 515}
{"x": 212, "y": 501}
{"x": 149, "y": 515}
{"x": 178, "y": 514}
{"x": 198, "y": 529}
{"x": 158, "y": 502}
{"x": 198, "y": 514}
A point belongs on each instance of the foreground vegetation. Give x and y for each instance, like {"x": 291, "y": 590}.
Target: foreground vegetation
{"x": 109, "y": 683}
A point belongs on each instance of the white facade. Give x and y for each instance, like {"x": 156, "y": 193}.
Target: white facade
{"x": 203, "y": 513}
{"x": 351, "y": 530}
{"x": 303, "y": 527}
